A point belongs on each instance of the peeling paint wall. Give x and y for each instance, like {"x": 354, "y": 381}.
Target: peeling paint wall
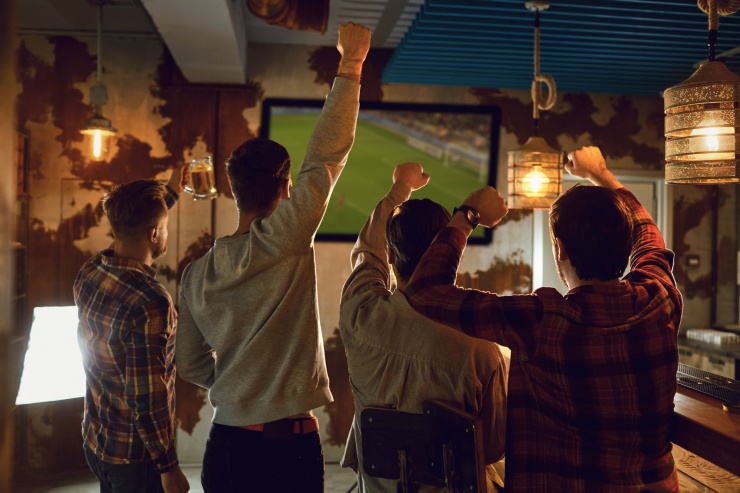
{"x": 705, "y": 226}
{"x": 163, "y": 122}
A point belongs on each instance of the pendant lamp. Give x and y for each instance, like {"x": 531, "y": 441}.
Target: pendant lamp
{"x": 535, "y": 171}
{"x": 702, "y": 116}
{"x": 98, "y": 130}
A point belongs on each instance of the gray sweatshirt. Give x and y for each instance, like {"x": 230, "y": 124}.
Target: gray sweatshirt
{"x": 248, "y": 327}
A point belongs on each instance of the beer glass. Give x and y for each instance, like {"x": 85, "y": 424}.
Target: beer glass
{"x": 202, "y": 180}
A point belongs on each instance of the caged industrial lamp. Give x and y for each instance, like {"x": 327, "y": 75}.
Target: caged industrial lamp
{"x": 98, "y": 130}
{"x": 535, "y": 171}
{"x": 702, "y": 116}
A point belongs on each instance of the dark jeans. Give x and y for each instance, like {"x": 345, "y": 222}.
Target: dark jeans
{"x": 244, "y": 461}
{"x": 136, "y": 477}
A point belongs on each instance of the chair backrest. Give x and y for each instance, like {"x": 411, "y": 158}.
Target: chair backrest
{"x": 443, "y": 446}
{"x": 394, "y": 446}
{"x": 457, "y": 438}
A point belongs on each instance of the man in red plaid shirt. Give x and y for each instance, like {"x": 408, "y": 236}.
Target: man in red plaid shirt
{"x": 126, "y": 336}
{"x": 593, "y": 373}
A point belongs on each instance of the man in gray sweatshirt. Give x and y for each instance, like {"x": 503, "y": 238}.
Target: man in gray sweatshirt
{"x": 248, "y": 322}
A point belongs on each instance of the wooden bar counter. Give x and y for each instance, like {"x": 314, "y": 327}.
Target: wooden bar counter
{"x": 702, "y": 427}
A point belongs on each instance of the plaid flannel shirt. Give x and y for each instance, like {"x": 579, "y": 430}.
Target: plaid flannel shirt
{"x": 126, "y": 335}
{"x": 593, "y": 373}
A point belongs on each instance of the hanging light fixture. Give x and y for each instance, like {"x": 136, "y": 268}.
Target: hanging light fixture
{"x": 535, "y": 170}
{"x": 98, "y": 130}
{"x": 702, "y": 116}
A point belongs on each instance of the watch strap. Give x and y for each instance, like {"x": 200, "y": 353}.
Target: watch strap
{"x": 467, "y": 210}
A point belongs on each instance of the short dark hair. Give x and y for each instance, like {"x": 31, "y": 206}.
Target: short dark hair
{"x": 134, "y": 207}
{"x": 257, "y": 169}
{"x": 595, "y": 227}
{"x": 410, "y": 229}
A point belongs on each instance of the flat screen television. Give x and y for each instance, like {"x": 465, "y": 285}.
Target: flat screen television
{"x": 456, "y": 144}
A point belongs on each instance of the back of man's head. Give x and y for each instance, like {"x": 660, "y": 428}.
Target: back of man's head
{"x": 410, "y": 230}
{"x": 595, "y": 227}
{"x": 134, "y": 207}
{"x": 257, "y": 170}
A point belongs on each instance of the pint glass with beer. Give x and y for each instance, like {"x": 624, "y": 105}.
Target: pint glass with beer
{"x": 202, "y": 180}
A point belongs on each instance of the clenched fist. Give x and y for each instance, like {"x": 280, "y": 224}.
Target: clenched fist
{"x": 489, "y": 203}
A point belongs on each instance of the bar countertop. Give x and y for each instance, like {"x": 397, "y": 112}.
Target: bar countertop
{"x": 702, "y": 427}
{"x": 730, "y": 350}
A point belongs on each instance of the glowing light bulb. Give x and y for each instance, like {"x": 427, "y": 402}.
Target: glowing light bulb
{"x": 535, "y": 182}
{"x": 97, "y": 144}
{"x": 98, "y": 137}
{"x": 708, "y": 147}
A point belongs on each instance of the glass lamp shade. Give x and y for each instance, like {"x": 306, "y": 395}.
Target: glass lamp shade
{"x": 702, "y": 116}
{"x": 535, "y": 175}
{"x": 98, "y": 132}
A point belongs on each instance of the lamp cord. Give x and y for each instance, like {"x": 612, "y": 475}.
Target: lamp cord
{"x": 100, "y": 42}
{"x": 537, "y": 98}
{"x": 713, "y": 8}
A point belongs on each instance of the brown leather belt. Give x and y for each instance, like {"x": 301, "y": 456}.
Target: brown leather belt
{"x": 282, "y": 428}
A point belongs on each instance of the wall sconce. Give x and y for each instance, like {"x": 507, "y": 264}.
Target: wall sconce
{"x": 702, "y": 116}
{"x": 98, "y": 130}
{"x": 535, "y": 171}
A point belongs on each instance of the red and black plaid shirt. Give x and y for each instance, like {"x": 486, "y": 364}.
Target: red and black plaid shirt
{"x": 593, "y": 373}
{"x": 126, "y": 335}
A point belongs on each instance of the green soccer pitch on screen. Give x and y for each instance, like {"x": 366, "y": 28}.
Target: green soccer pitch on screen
{"x": 457, "y": 146}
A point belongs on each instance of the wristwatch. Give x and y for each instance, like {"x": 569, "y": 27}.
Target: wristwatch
{"x": 471, "y": 214}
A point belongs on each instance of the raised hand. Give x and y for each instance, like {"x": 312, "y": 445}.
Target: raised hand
{"x": 588, "y": 162}
{"x": 353, "y": 44}
{"x": 411, "y": 175}
{"x": 489, "y": 203}
{"x": 179, "y": 178}
{"x": 354, "y": 41}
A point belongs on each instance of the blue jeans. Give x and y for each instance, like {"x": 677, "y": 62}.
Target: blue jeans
{"x": 136, "y": 477}
{"x": 245, "y": 461}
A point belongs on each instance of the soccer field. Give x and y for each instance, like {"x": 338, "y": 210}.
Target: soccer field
{"x": 368, "y": 174}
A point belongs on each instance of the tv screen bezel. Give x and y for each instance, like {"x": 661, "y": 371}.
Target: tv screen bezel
{"x": 493, "y": 111}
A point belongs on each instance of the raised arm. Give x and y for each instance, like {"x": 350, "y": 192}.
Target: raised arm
{"x": 300, "y": 215}
{"x": 333, "y": 135}
{"x": 179, "y": 178}
{"x": 369, "y": 256}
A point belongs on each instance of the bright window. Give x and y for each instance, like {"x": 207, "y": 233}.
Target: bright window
{"x": 52, "y": 369}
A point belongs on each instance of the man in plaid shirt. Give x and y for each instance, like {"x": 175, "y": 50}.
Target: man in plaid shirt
{"x": 126, "y": 335}
{"x": 593, "y": 373}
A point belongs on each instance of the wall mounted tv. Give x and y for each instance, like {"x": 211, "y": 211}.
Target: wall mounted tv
{"x": 457, "y": 145}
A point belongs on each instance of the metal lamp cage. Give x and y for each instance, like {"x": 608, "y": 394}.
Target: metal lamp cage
{"x": 535, "y": 175}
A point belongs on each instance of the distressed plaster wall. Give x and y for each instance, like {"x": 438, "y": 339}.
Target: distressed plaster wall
{"x": 163, "y": 121}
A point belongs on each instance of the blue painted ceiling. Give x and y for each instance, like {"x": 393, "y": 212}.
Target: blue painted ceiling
{"x": 631, "y": 47}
